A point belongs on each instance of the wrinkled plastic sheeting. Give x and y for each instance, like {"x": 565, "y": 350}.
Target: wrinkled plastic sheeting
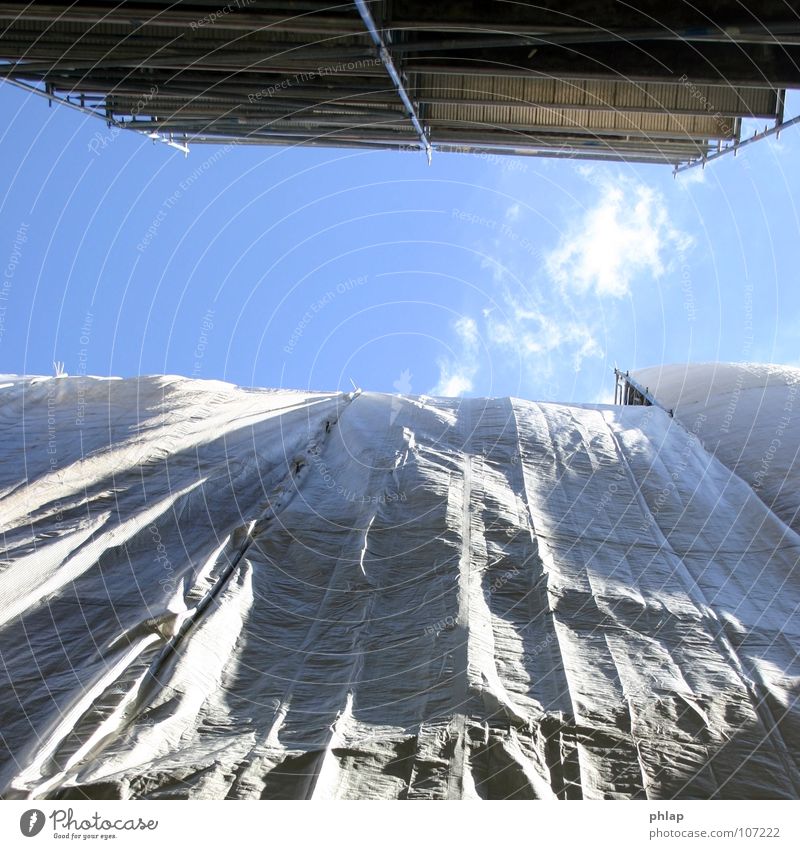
{"x": 211, "y": 592}
{"x": 747, "y": 415}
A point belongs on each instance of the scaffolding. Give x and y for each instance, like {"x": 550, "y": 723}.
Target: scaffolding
{"x": 571, "y": 79}
{"x": 630, "y": 393}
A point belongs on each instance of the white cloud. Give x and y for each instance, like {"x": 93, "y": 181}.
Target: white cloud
{"x": 452, "y": 385}
{"x": 604, "y": 396}
{"x": 627, "y": 234}
{"x": 537, "y": 333}
{"x": 691, "y": 177}
{"x": 457, "y": 375}
{"x": 500, "y": 273}
{"x": 467, "y": 330}
{"x": 550, "y": 305}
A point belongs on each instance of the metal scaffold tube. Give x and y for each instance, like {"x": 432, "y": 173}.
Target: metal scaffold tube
{"x": 394, "y": 74}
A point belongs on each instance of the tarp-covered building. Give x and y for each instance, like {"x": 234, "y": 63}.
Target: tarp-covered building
{"x": 214, "y": 592}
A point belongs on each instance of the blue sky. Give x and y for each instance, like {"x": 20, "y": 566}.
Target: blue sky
{"x": 308, "y": 267}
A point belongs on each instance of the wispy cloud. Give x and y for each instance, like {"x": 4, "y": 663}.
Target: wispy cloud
{"x": 604, "y": 396}
{"x": 457, "y": 374}
{"x": 692, "y": 177}
{"x": 625, "y": 235}
{"x": 536, "y": 330}
{"x": 549, "y": 305}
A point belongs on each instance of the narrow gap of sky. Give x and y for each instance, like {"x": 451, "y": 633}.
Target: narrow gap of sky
{"x": 305, "y": 267}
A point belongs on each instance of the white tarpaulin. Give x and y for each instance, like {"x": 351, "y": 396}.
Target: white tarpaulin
{"x": 213, "y": 592}
{"x": 747, "y": 415}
